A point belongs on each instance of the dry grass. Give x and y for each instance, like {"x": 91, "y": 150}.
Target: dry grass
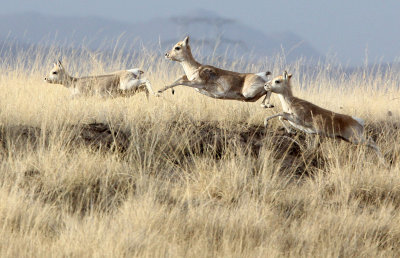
{"x": 186, "y": 175}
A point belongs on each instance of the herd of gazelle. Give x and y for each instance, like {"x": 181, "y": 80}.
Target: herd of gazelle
{"x": 222, "y": 84}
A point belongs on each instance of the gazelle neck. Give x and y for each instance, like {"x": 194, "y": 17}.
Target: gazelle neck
{"x": 286, "y": 97}
{"x": 190, "y": 65}
{"x": 69, "y": 81}
{"x": 287, "y": 92}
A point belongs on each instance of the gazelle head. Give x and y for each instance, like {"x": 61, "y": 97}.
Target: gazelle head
{"x": 57, "y": 75}
{"x": 180, "y": 52}
{"x": 279, "y": 84}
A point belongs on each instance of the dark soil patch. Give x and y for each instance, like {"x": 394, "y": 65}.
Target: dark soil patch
{"x": 202, "y": 138}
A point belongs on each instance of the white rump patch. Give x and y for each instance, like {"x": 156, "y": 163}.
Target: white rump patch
{"x": 130, "y": 84}
{"x": 263, "y": 75}
{"x": 359, "y": 120}
{"x": 135, "y": 71}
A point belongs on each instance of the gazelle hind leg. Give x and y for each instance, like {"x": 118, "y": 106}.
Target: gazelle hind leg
{"x": 268, "y": 98}
{"x": 149, "y": 89}
{"x": 147, "y": 93}
{"x": 357, "y": 137}
{"x": 256, "y": 88}
{"x": 135, "y": 84}
{"x": 371, "y": 143}
{"x": 264, "y": 76}
{"x": 360, "y": 139}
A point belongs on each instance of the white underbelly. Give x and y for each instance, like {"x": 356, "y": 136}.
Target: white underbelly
{"x": 303, "y": 128}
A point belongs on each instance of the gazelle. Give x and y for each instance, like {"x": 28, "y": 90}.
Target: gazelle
{"x": 215, "y": 82}
{"x": 125, "y": 82}
{"x": 313, "y": 119}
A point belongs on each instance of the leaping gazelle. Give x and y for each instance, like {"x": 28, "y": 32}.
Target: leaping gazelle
{"x": 125, "y": 82}
{"x": 215, "y": 82}
{"x": 313, "y": 119}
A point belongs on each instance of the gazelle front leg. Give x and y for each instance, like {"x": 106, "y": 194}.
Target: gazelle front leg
{"x": 183, "y": 77}
{"x": 184, "y": 82}
{"x": 271, "y": 117}
{"x": 285, "y": 125}
{"x": 175, "y": 83}
{"x": 283, "y": 115}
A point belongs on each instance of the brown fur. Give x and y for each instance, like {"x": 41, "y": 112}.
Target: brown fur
{"x": 215, "y": 82}
{"x": 324, "y": 121}
{"x": 120, "y": 83}
{"x": 311, "y": 118}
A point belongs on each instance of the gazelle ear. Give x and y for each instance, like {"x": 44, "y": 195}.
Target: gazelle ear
{"x": 285, "y": 75}
{"x": 59, "y": 63}
{"x": 186, "y": 41}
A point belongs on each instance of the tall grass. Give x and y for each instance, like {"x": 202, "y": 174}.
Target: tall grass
{"x": 165, "y": 195}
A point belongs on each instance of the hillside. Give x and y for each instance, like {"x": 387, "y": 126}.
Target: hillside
{"x": 186, "y": 175}
{"x": 215, "y": 34}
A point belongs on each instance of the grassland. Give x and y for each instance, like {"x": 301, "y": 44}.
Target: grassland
{"x": 188, "y": 176}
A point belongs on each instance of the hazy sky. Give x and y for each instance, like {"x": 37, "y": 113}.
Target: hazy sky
{"x": 347, "y": 29}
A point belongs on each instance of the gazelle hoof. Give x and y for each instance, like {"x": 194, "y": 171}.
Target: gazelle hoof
{"x": 290, "y": 132}
{"x": 267, "y": 105}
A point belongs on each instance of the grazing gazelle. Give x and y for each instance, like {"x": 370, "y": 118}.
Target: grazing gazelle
{"x": 215, "y": 82}
{"x": 310, "y": 118}
{"x": 125, "y": 82}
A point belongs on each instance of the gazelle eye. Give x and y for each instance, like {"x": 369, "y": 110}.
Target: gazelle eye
{"x": 177, "y": 48}
{"x": 54, "y": 72}
{"x": 277, "y": 82}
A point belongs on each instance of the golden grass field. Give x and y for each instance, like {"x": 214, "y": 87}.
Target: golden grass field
{"x": 185, "y": 175}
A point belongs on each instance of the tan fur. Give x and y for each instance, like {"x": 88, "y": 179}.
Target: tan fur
{"x": 214, "y": 82}
{"x": 311, "y": 118}
{"x": 120, "y": 83}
